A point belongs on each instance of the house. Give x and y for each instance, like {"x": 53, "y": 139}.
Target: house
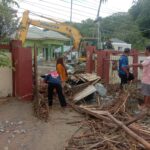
{"x": 46, "y": 42}
{"x": 119, "y": 44}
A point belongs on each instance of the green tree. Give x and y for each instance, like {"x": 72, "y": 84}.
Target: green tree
{"x": 9, "y": 21}
{"x": 8, "y": 25}
{"x": 122, "y": 26}
{"x": 141, "y": 14}
{"x": 87, "y": 28}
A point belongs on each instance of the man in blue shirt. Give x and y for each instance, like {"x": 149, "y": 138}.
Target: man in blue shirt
{"x": 124, "y": 73}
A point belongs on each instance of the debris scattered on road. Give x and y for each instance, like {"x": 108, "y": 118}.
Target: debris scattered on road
{"x": 119, "y": 131}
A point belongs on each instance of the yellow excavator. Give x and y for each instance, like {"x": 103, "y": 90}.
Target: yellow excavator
{"x": 56, "y": 26}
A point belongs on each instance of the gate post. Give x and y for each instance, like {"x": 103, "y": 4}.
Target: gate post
{"x": 90, "y": 62}
{"x": 22, "y": 74}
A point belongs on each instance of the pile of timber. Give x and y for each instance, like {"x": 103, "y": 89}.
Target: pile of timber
{"x": 109, "y": 132}
{"x": 79, "y": 86}
{"x": 41, "y": 108}
{"x": 40, "y": 103}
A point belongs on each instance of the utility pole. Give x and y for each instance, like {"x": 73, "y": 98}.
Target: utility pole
{"x": 99, "y": 42}
{"x": 70, "y": 23}
{"x": 71, "y": 11}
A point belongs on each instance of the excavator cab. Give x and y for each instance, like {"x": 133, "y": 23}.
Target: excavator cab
{"x": 83, "y": 45}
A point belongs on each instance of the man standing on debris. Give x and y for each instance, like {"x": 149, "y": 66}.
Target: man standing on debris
{"x": 124, "y": 73}
{"x": 54, "y": 82}
{"x": 61, "y": 69}
{"x": 145, "y": 78}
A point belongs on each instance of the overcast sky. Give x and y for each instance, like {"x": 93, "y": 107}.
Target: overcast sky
{"x": 82, "y": 9}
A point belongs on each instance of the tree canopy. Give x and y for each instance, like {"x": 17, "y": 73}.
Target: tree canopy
{"x": 141, "y": 15}
{"x": 131, "y": 27}
{"x": 8, "y": 25}
{"x": 9, "y": 21}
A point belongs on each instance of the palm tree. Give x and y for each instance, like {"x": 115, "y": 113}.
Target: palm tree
{"x": 100, "y": 3}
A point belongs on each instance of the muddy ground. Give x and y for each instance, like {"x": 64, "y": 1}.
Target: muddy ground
{"x": 20, "y": 130}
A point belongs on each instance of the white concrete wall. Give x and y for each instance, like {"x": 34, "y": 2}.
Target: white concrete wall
{"x": 6, "y": 80}
{"x": 121, "y": 45}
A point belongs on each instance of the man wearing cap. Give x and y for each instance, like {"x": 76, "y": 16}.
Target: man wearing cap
{"x": 123, "y": 71}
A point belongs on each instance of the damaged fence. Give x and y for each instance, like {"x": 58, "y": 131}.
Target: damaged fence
{"x": 105, "y": 63}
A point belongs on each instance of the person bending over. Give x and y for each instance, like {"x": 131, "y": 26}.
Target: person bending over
{"x": 54, "y": 82}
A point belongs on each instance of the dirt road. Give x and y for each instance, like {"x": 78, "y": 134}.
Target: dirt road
{"x": 20, "y": 130}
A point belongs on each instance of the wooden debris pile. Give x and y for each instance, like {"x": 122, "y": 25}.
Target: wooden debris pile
{"x": 117, "y": 105}
{"x": 114, "y": 128}
{"x": 80, "y": 86}
{"x": 41, "y": 108}
{"x": 98, "y": 135}
{"x": 108, "y": 132}
{"x": 77, "y": 83}
{"x": 40, "y": 103}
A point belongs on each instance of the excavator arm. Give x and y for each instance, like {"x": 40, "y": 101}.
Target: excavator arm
{"x": 57, "y": 26}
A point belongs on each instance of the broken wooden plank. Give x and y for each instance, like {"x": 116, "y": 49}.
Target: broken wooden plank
{"x": 89, "y": 76}
{"x": 84, "y": 93}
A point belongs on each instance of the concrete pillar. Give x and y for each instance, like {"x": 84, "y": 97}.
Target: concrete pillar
{"x": 62, "y": 49}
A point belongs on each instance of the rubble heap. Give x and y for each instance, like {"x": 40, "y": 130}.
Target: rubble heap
{"x": 115, "y": 128}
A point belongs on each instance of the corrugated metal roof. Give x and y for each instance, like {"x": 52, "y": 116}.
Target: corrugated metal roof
{"x": 115, "y": 40}
{"x": 36, "y": 33}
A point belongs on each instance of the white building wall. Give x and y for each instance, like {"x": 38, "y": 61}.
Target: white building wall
{"x": 121, "y": 46}
{"x": 6, "y": 80}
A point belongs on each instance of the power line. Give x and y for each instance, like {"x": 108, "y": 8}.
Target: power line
{"x": 65, "y": 6}
{"x": 87, "y": 7}
{"x": 77, "y": 5}
{"x": 37, "y": 14}
{"x": 146, "y": 29}
{"x": 88, "y": 16}
{"x": 50, "y": 11}
{"x": 63, "y": 10}
{"x": 36, "y": 4}
{"x": 115, "y": 9}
